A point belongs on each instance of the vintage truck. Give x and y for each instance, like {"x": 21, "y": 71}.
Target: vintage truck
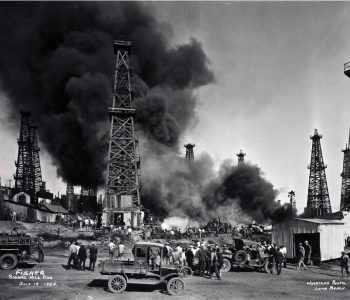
{"x": 14, "y": 249}
{"x": 139, "y": 271}
{"x": 246, "y": 254}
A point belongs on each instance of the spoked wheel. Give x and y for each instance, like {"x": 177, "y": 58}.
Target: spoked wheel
{"x": 240, "y": 257}
{"x": 175, "y": 286}
{"x": 117, "y": 284}
{"x": 8, "y": 261}
{"x": 186, "y": 273}
{"x": 269, "y": 267}
{"x": 226, "y": 266}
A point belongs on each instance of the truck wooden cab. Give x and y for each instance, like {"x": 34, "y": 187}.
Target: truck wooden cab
{"x": 140, "y": 270}
{"x": 14, "y": 249}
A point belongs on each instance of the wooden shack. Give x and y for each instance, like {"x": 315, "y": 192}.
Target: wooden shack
{"x": 326, "y": 237}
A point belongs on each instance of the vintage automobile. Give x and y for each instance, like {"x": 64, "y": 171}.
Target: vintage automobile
{"x": 139, "y": 271}
{"x": 14, "y": 249}
{"x": 246, "y": 254}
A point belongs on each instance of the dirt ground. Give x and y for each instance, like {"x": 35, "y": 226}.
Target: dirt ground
{"x": 53, "y": 281}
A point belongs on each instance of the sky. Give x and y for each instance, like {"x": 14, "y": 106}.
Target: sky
{"x": 279, "y": 71}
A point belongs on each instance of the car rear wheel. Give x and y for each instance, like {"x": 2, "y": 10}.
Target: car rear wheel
{"x": 240, "y": 257}
{"x": 226, "y": 266}
{"x": 8, "y": 261}
{"x": 175, "y": 286}
{"x": 269, "y": 267}
{"x": 117, "y": 284}
{"x": 186, "y": 273}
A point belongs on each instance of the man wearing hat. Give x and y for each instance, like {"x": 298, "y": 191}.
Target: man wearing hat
{"x": 301, "y": 254}
{"x": 40, "y": 250}
{"x": 308, "y": 251}
{"x": 189, "y": 256}
{"x": 201, "y": 254}
{"x": 73, "y": 251}
{"x": 93, "y": 256}
{"x": 112, "y": 248}
{"x": 344, "y": 263}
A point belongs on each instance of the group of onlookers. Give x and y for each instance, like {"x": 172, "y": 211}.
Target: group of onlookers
{"x": 210, "y": 258}
{"x": 116, "y": 251}
{"x": 78, "y": 255}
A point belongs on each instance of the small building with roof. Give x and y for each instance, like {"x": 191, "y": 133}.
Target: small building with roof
{"x": 326, "y": 237}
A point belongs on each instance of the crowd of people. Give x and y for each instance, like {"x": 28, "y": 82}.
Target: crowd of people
{"x": 78, "y": 254}
{"x": 210, "y": 258}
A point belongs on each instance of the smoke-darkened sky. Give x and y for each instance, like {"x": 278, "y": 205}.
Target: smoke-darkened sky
{"x": 256, "y": 76}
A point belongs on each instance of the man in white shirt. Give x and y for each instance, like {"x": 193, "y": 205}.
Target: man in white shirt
{"x": 283, "y": 250}
{"x": 87, "y": 223}
{"x": 179, "y": 249}
{"x": 121, "y": 250}
{"x": 111, "y": 247}
{"x": 73, "y": 251}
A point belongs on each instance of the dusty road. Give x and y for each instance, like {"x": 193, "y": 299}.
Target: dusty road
{"x": 60, "y": 283}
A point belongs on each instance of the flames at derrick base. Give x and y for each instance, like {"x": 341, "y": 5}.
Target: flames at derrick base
{"x": 123, "y": 179}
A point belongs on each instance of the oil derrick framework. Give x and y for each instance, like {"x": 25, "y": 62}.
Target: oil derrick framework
{"x": 189, "y": 151}
{"x": 345, "y": 184}
{"x": 318, "y": 202}
{"x": 123, "y": 181}
{"x": 25, "y": 176}
{"x": 70, "y": 195}
{"x": 241, "y": 157}
{"x": 38, "y": 181}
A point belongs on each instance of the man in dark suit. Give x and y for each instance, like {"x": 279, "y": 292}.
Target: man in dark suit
{"x": 82, "y": 257}
{"x": 279, "y": 260}
{"x": 40, "y": 250}
{"x": 202, "y": 256}
{"x": 308, "y": 251}
{"x": 189, "y": 257}
{"x": 93, "y": 256}
{"x": 220, "y": 260}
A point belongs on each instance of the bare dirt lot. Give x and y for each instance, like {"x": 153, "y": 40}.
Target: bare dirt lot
{"x": 51, "y": 280}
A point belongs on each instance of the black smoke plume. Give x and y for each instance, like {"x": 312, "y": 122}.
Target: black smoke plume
{"x": 57, "y": 58}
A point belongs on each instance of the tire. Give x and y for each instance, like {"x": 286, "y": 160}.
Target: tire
{"x": 186, "y": 273}
{"x": 269, "y": 267}
{"x": 117, "y": 284}
{"x": 226, "y": 266}
{"x": 8, "y": 261}
{"x": 240, "y": 257}
{"x": 175, "y": 286}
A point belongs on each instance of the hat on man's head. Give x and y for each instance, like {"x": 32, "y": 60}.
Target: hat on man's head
{"x": 300, "y": 244}
{"x": 342, "y": 252}
{"x": 306, "y": 241}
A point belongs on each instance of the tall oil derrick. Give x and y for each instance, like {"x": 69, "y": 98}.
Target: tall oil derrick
{"x": 345, "y": 184}
{"x": 70, "y": 196}
{"x": 241, "y": 157}
{"x": 123, "y": 178}
{"x": 38, "y": 181}
{"x": 318, "y": 202}
{"x": 25, "y": 176}
{"x": 189, "y": 151}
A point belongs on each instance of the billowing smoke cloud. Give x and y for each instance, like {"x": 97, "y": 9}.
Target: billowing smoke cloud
{"x": 237, "y": 194}
{"x": 57, "y": 58}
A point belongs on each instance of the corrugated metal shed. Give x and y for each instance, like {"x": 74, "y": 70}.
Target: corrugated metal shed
{"x": 324, "y": 236}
